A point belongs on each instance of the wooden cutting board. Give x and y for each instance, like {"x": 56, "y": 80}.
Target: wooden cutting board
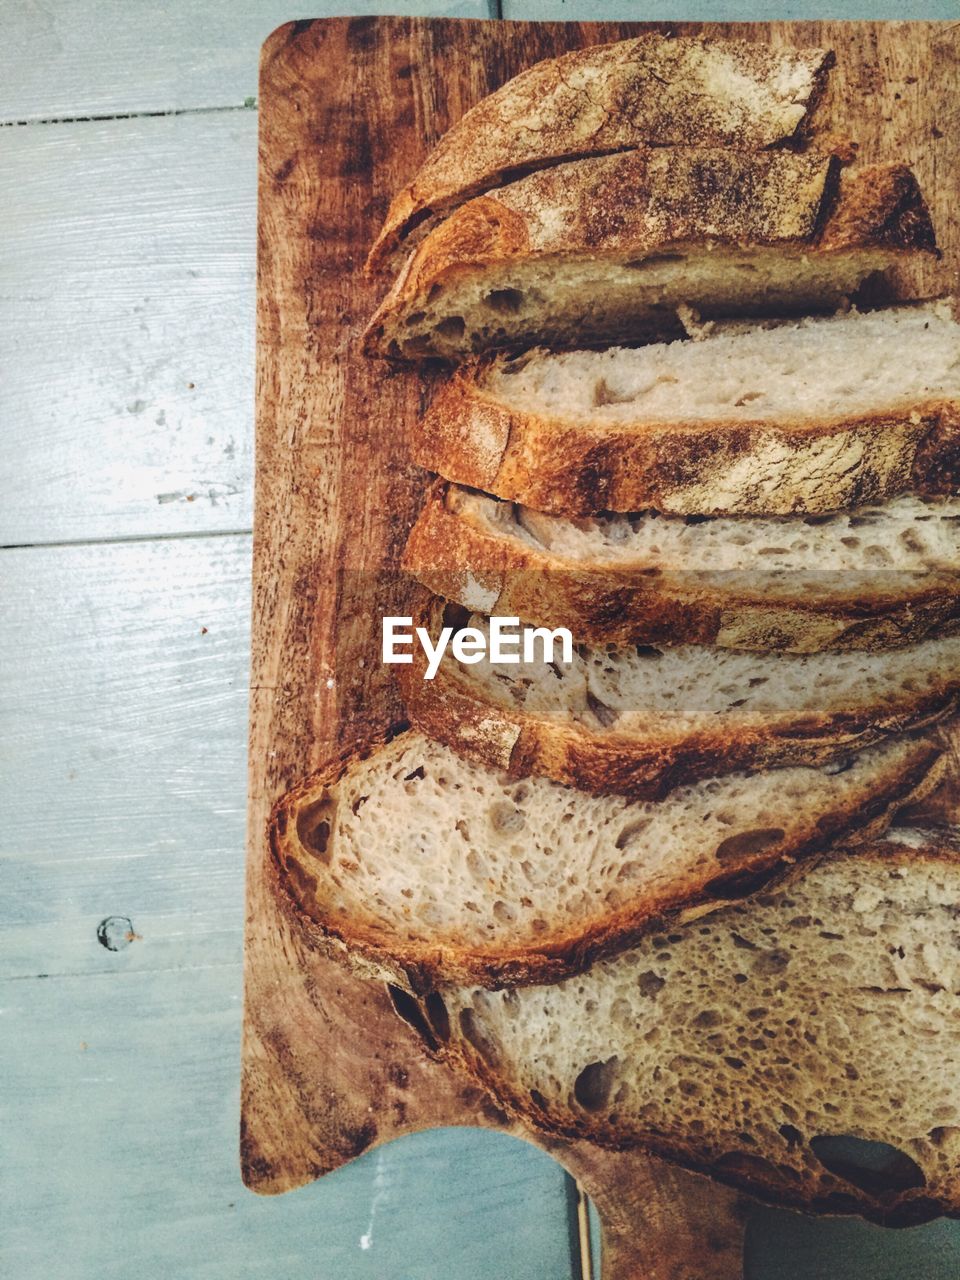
{"x": 348, "y": 108}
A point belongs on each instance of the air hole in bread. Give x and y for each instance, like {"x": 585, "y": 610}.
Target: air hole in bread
{"x": 415, "y": 317}
{"x": 746, "y": 844}
{"x": 451, "y": 327}
{"x": 739, "y": 884}
{"x": 594, "y": 1084}
{"x": 437, "y": 1015}
{"x": 507, "y": 819}
{"x": 455, "y": 615}
{"x": 505, "y": 302}
{"x": 606, "y": 715}
{"x": 630, "y": 832}
{"x": 650, "y": 984}
{"x": 943, "y": 1134}
{"x": 314, "y": 824}
{"x": 707, "y": 1019}
{"x": 407, "y": 1008}
{"x": 874, "y": 1167}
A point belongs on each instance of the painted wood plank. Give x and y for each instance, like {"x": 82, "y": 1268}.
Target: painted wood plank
{"x": 127, "y": 327}
{"x": 123, "y": 687}
{"x": 727, "y": 10}
{"x": 123, "y": 674}
{"x": 106, "y": 57}
{"x": 119, "y": 1105}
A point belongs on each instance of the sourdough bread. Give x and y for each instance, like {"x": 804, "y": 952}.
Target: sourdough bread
{"x": 609, "y": 248}
{"x": 654, "y": 89}
{"x": 876, "y": 577}
{"x": 412, "y": 862}
{"x": 807, "y": 415}
{"x": 641, "y": 721}
{"x": 743, "y": 1043}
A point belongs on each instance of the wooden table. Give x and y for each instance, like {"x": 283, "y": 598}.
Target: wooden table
{"x": 126, "y": 350}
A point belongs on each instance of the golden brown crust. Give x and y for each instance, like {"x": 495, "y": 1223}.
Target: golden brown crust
{"x": 580, "y": 467}
{"x": 648, "y": 765}
{"x": 466, "y": 562}
{"x": 881, "y": 205}
{"x": 659, "y": 200}
{"x": 420, "y": 967}
{"x": 652, "y": 90}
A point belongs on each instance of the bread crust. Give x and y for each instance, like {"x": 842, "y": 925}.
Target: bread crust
{"x": 657, "y": 201}
{"x": 779, "y": 1184}
{"x": 581, "y": 466}
{"x": 420, "y": 968}
{"x": 647, "y": 764}
{"x": 606, "y": 98}
{"x": 466, "y": 561}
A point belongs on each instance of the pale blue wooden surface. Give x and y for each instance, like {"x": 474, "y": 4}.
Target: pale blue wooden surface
{"x": 126, "y": 312}
{"x": 70, "y": 58}
{"x": 128, "y": 258}
{"x": 727, "y": 10}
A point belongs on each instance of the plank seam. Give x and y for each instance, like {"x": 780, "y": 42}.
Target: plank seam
{"x": 244, "y": 532}
{"x": 249, "y": 104}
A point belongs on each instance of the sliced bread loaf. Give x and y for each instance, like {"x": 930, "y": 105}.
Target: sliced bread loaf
{"x": 604, "y": 249}
{"x": 808, "y": 415}
{"x": 876, "y": 577}
{"x": 746, "y": 1043}
{"x": 655, "y": 89}
{"x": 419, "y": 863}
{"x": 641, "y": 721}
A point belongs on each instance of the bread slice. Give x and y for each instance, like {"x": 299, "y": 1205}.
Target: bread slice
{"x": 641, "y": 721}
{"x": 876, "y": 577}
{"x": 419, "y": 863}
{"x": 746, "y": 1043}
{"x": 608, "y": 248}
{"x": 654, "y": 89}
{"x": 808, "y": 415}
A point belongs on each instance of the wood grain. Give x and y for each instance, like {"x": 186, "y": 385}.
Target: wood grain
{"x": 126, "y": 327}
{"x": 347, "y": 110}
{"x": 122, "y": 785}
